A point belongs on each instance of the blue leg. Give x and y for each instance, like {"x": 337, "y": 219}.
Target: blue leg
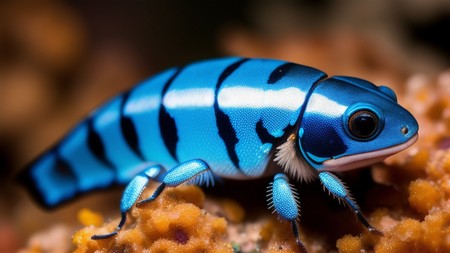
{"x": 131, "y": 194}
{"x": 335, "y": 186}
{"x": 192, "y": 172}
{"x": 283, "y": 199}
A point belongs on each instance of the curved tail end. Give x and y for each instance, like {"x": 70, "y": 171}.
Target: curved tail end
{"x": 49, "y": 180}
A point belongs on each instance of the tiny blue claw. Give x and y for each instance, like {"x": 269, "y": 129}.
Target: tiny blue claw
{"x": 131, "y": 194}
{"x": 135, "y": 188}
{"x": 335, "y": 186}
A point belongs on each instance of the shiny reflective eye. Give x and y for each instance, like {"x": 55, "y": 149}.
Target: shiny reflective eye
{"x": 363, "y": 124}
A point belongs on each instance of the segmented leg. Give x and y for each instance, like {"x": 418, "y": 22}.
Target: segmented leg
{"x": 131, "y": 194}
{"x": 335, "y": 186}
{"x": 283, "y": 199}
{"x": 191, "y": 172}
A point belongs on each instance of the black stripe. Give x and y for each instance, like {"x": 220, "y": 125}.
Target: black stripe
{"x": 302, "y": 111}
{"x": 96, "y": 145}
{"x": 128, "y": 129}
{"x": 263, "y": 134}
{"x": 279, "y": 72}
{"x": 223, "y": 122}
{"x": 167, "y": 124}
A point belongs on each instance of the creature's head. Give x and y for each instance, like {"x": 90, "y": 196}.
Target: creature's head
{"x": 350, "y": 123}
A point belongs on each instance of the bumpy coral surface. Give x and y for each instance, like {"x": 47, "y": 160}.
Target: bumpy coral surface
{"x": 173, "y": 222}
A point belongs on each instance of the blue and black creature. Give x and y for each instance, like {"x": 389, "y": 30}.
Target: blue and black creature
{"x": 232, "y": 118}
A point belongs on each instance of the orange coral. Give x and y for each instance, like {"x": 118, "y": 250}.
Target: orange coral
{"x": 349, "y": 244}
{"x": 277, "y": 234}
{"x": 410, "y": 235}
{"x": 173, "y": 222}
{"x": 88, "y": 217}
{"x": 423, "y": 195}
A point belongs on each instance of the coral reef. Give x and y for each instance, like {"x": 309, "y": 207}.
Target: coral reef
{"x": 173, "y": 222}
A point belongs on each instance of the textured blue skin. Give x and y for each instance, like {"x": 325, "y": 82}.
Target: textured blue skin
{"x": 333, "y": 184}
{"x": 329, "y": 106}
{"x": 231, "y": 113}
{"x": 283, "y": 199}
{"x": 184, "y": 172}
{"x": 137, "y": 185}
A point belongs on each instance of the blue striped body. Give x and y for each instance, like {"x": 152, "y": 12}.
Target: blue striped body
{"x": 242, "y": 118}
{"x": 228, "y": 112}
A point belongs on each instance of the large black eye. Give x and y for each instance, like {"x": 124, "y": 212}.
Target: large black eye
{"x": 363, "y": 124}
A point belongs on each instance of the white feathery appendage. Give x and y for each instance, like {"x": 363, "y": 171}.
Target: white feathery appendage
{"x": 292, "y": 163}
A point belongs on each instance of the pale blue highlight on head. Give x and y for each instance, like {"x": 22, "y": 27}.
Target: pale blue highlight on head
{"x": 324, "y": 125}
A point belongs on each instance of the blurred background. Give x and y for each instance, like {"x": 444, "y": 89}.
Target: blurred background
{"x": 60, "y": 59}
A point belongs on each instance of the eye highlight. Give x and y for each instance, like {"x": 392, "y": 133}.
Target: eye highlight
{"x": 363, "y": 124}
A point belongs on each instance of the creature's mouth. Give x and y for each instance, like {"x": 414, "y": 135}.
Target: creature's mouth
{"x": 364, "y": 159}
